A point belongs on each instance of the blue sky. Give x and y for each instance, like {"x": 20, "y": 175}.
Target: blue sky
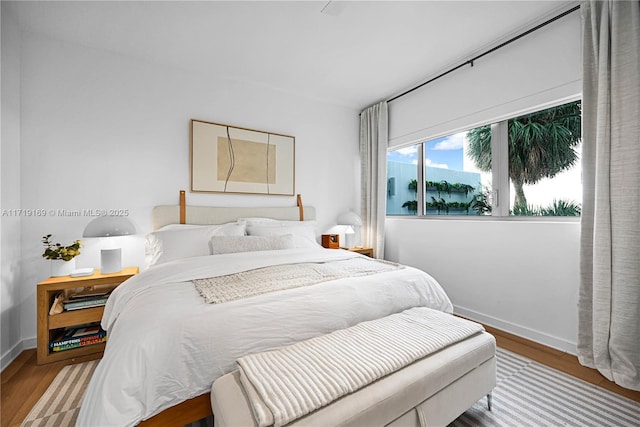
{"x": 445, "y": 152}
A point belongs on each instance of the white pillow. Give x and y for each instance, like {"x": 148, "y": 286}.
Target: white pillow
{"x": 186, "y": 226}
{"x": 271, "y": 221}
{"x": 234, "y": 244}
{"x": 304, "y": 234}
{"x": 175, "y": 243}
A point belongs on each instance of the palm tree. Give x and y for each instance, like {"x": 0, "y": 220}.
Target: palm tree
{"x": 541, "y": 145}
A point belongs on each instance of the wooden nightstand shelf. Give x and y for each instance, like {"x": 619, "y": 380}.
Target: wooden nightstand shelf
{"x": 48, "y": 324}
{"x": 364, "y": 251}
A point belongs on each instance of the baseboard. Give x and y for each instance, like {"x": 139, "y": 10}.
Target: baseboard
{"x": 15, "y": 351}
{"x": 522, "y": 331}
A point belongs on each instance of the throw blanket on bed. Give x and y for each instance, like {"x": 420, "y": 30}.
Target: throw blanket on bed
{"x": 216, "y": 290}
{"x": 287, "y": 383}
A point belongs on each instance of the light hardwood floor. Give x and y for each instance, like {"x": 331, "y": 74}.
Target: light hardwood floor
{"x": 23, "y": 381}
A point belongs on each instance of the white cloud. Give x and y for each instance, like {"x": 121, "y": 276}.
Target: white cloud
{"x": 453, "y": 142}
{"x": 428, "y": 162}
{"x": 407, "y": 151}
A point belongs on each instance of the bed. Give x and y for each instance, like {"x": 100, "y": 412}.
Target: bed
{"x": 168, "y": 345}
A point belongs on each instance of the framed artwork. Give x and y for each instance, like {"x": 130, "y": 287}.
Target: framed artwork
{"x": 229, "y": 159}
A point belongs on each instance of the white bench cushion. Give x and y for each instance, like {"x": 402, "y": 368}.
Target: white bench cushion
{"x": 401, "y": 397}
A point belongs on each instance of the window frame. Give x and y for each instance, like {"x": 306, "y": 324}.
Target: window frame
{"x": 500, "y": 181}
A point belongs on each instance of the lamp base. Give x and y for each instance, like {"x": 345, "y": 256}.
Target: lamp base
{"x": 350, "y": 240}
{"x": 110, "y": 260}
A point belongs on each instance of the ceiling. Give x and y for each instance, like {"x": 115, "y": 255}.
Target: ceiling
{"x": 354, "y": 54}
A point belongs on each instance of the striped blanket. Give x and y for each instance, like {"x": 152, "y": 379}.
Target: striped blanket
{"x": 287, "y": 383}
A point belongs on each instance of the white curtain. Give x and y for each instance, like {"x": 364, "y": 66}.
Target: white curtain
{"x": 609, "y": 301}
{"x": 374, "y": 138}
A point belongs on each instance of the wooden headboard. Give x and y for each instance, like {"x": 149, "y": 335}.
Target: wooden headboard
{"x": 202, "y": 215}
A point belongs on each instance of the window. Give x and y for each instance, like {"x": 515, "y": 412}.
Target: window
{"x": 525, "y": 166}
{"x": 454, "y": 185}
{"x": 544, "y": 162}
{"x": 402, "y": 184}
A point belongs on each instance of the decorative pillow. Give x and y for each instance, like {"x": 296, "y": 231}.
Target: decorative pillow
{"x": 176, "y": 243}
{"x": 304, "y": 234}
{"x": 271, "y": 221}
{"x": 234, "y": 244}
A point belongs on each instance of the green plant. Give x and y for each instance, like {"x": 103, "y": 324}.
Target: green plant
{"x": 556, "y": 208}
{"x": 413, "y": 185}
{"x": 463, "y": 188}
{"x": 440, "y": 186}
{"x": 562, "y": 208}
{"x": 448, "y": 188}
{"x": 445, "y": 187}
{"x": 57, "y": 251}
{"x": 541, "y": 145}
{"x": 522, "y": 209}
{"x": 440, "y": 205}
{"x": 412, "y": 205}
{"x": 460, "y": 205}
{"x": 480, "y": 202}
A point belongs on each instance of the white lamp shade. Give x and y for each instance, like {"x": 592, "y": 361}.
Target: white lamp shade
{"x": 107, "y": 226}
{"x": 353, "y": 220}
{"x": 350, "y": 218}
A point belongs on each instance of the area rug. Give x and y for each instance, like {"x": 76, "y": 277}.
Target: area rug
{"x": 530, "y": 394}
{"x": 60, "y": 404}
{"x": 527, "y": 394}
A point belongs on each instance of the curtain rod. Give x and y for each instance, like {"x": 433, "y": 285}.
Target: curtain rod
{"x": 470, "y": 61}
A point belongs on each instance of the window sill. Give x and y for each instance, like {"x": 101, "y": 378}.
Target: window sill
{"x": 536, "y": 219}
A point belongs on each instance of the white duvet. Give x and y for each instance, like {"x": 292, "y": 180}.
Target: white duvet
{"x": 166, "y": 345}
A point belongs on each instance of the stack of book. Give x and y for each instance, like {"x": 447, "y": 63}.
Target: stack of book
{"x": 79, "y": 336}
{"x": 86, "y": 299}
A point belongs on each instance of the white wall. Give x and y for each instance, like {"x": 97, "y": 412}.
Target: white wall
{"x": 11, "y": 296}
{"x": 519, "y": 276}
{"x": 541, "y": 68}
{"x": 105, "y": 131}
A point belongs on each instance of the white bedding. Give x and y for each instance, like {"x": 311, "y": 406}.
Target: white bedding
{"x": 166, "y": 345}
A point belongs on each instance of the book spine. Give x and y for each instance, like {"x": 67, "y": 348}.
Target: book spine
{"x": 77, "y": 340}
{"x": 85, "y": 306}
{"x": 79, "y": 344}
{"x": 80, "y": 304}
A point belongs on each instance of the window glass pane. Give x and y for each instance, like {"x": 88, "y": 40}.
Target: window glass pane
{"x": 457, "y": 179}
{"x": 544, "y": 162}
{"x": 402, "y": 175}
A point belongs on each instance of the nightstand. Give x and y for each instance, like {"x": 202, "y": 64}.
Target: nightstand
{"x": 364, "y": 251}
{"x": 49, "y": 325}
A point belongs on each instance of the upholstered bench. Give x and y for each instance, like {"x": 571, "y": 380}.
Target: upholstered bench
{"x": 432, "y": 391}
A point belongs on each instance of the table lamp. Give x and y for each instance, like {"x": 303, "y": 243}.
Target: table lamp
{"x": 349, "y": 236}
{"x": 109, "y": 226}
{"x": 354, "y": 222}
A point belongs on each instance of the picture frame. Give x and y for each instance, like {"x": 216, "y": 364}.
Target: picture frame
{"x": 231, "y": 159}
